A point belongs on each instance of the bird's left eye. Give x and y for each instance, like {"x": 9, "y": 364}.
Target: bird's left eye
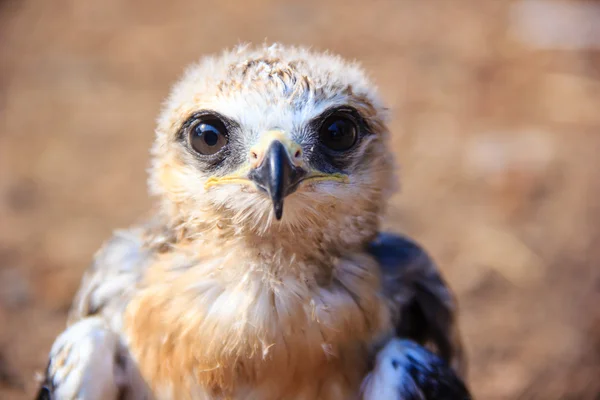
{"x": 208, "y": 136}
{"x": 338, "y": 132}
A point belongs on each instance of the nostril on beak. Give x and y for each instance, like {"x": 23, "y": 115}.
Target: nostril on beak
{"x": 254, "y": 159}
{"x": 298, "y": 154}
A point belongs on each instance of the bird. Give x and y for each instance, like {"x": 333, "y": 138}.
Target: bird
{"x": 262, "y": 272}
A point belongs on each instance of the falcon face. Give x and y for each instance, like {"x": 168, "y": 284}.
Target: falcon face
{"x": 273, "y": 137}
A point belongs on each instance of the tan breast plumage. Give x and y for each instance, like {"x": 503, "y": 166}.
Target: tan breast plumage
{"x": 202, "y": 332}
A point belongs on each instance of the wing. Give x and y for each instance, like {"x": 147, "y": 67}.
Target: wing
{"x": 89, "y": 359}
{"x": 405, "y": 370}
{"x": 110, "y": 281}
{"x": 422, "y": 305}
{"x": 83, "y": 364}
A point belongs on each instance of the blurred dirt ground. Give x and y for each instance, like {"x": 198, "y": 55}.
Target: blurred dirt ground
{"x": 496, "y": 128}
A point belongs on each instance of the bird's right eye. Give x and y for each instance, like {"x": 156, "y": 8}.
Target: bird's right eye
{"x": 208, "y": 135}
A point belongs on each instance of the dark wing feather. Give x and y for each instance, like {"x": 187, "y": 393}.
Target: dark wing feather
{"x": 423, "y": 306}
{"x": 427, "y": 376}
{"x": 405, "y": 370}
{"x": 46, "y": 388}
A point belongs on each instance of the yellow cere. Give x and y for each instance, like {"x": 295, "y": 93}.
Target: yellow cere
{"x": 270, "y": 136}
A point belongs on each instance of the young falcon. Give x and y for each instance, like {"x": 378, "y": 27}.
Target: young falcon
{"x": 262, "y": 275}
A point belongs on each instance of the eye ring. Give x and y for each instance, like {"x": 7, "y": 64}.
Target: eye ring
{"x": 338, "y": 132}
{"x": 207, "y": 135}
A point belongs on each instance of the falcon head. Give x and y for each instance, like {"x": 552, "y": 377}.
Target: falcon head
{"x": 274, "y": 139}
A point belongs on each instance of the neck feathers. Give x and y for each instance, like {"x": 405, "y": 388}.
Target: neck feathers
{"x": 224, "y": 310}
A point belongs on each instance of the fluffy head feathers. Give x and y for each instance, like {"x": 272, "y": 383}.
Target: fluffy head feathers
{"x": 256, "y": 91}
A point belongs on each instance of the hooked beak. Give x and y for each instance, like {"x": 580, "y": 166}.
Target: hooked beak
{"x": 277, "y": 175}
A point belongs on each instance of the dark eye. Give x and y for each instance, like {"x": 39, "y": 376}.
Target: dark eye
{"x": 208, "y": 135}
{"x": 338, "y": 132}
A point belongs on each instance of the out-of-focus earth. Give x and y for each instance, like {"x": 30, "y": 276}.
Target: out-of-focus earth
{"x": 495, "y": 110}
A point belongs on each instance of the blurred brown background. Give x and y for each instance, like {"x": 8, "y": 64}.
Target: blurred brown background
{"x": 496, "y": 121}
